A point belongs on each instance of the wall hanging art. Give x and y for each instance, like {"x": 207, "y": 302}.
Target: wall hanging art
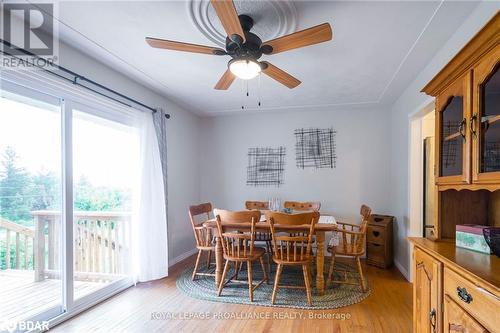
{"x": 315, "y": 148}
{"x": 265, "y": 166}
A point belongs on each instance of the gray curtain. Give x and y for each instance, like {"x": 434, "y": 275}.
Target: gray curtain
{"x": 160, "y": 122}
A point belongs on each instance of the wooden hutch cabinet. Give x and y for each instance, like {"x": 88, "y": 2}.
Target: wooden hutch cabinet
{"x": 455, "y": 289}
{"x": 468, "y": 113}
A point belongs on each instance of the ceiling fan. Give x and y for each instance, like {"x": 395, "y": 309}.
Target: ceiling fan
{"x": 246, "y": 48}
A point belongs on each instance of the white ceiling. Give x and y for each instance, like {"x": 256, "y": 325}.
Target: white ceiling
{"x": 377, "y": 50}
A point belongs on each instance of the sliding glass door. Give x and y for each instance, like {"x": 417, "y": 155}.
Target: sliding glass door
{"x": 105, "y": 169}
{"x": 68, "y": 179}
{"x": 30, "y": 206}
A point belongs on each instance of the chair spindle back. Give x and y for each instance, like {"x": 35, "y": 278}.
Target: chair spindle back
{"x": 202, "y": 235}
{"x": 292, "y": 248}
{"x": 239, "y": 244}
{"x": 355, "y": 242}
{"x": 259, "y": 205}
{"x": 303, "y": 206}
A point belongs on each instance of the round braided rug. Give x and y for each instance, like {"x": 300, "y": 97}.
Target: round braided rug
{"x": 336, "y": 296}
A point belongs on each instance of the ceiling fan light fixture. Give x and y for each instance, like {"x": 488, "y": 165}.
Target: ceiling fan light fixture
{"x": 244, "y": 68}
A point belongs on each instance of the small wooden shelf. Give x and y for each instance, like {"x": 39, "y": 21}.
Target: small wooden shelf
{"x": 470, "y": 187}
{"x": 452, "y": 136}
{"x": 379, "y": 241}
{"x": 490, "y": 119}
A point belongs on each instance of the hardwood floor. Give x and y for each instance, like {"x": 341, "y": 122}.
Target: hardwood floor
{"x": 387, "y": 309}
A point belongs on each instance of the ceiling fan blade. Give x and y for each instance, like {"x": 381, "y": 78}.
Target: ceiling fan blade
{"x": 279, "y": 75}
{"x": 317, "y": 34}
{"x": 225, "y": 81}
{"x": 228, "y": 17}
{"x": 180, "y": 46}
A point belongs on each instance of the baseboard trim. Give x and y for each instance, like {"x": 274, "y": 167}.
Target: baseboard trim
{"x": 403, "y": 270}
{"x": 181, "y": 257}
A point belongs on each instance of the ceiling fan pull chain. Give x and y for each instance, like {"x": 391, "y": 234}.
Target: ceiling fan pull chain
{"x": 242, "y": 98}
{"x": 246, "y": 81}
{"x": 260, "y": 74}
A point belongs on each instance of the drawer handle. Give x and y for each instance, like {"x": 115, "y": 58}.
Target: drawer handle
{"x": 464, "y": 295}
{"x": 376, "y": 233}
{"x": 432, "y": 319}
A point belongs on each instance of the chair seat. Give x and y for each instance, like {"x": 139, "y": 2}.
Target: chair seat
{"x": 257, "y": 253}
{"x": 206, "y": 248}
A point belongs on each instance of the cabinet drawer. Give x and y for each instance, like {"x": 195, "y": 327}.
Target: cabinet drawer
{"x": 375, "y": 251}
{"x": 478, "y": 302}
{"x": 375, "y": 235}
{"x": 457, "y": 320}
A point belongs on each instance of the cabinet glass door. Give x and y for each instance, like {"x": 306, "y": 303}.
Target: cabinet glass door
{"x": 485, "y": 121}
{"x": 453, "y": 144}
{"x": 490, "y": 125}
{"x": 451, "y": 140}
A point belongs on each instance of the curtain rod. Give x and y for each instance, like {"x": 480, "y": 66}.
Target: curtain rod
{"x": 77, "y": 77}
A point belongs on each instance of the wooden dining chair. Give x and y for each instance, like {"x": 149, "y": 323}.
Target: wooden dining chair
{"x": 293, "y": 250}
{"x": 262, "y": 236}
{"x": 302, "y": 206}
{"x": 202, "y": 235}
{"x": 306, "y": 206}
{"x": 258, "y": 205}
{"x": 351, "y": 244}
{"x": 239, "y": 247}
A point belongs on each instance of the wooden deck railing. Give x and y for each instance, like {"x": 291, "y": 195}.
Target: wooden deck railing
{"x": 24, "y": 238}
{"x": 101, "y": 243}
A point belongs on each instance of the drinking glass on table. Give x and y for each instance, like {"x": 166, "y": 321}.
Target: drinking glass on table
{"x": 275, "y": 204}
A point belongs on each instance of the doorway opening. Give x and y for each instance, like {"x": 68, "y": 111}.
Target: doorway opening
{"x": 422, "y": 192}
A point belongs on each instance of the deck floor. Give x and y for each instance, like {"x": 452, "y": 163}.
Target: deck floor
{"x": 22, "y": 297}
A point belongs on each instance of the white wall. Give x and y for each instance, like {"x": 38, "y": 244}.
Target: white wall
{"x": 361, "y": 175}
{"x": 412, "y": 101}
{"x": 183, "y": 143}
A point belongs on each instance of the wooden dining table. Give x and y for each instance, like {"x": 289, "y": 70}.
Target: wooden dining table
{"x": 263, "y": 226}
